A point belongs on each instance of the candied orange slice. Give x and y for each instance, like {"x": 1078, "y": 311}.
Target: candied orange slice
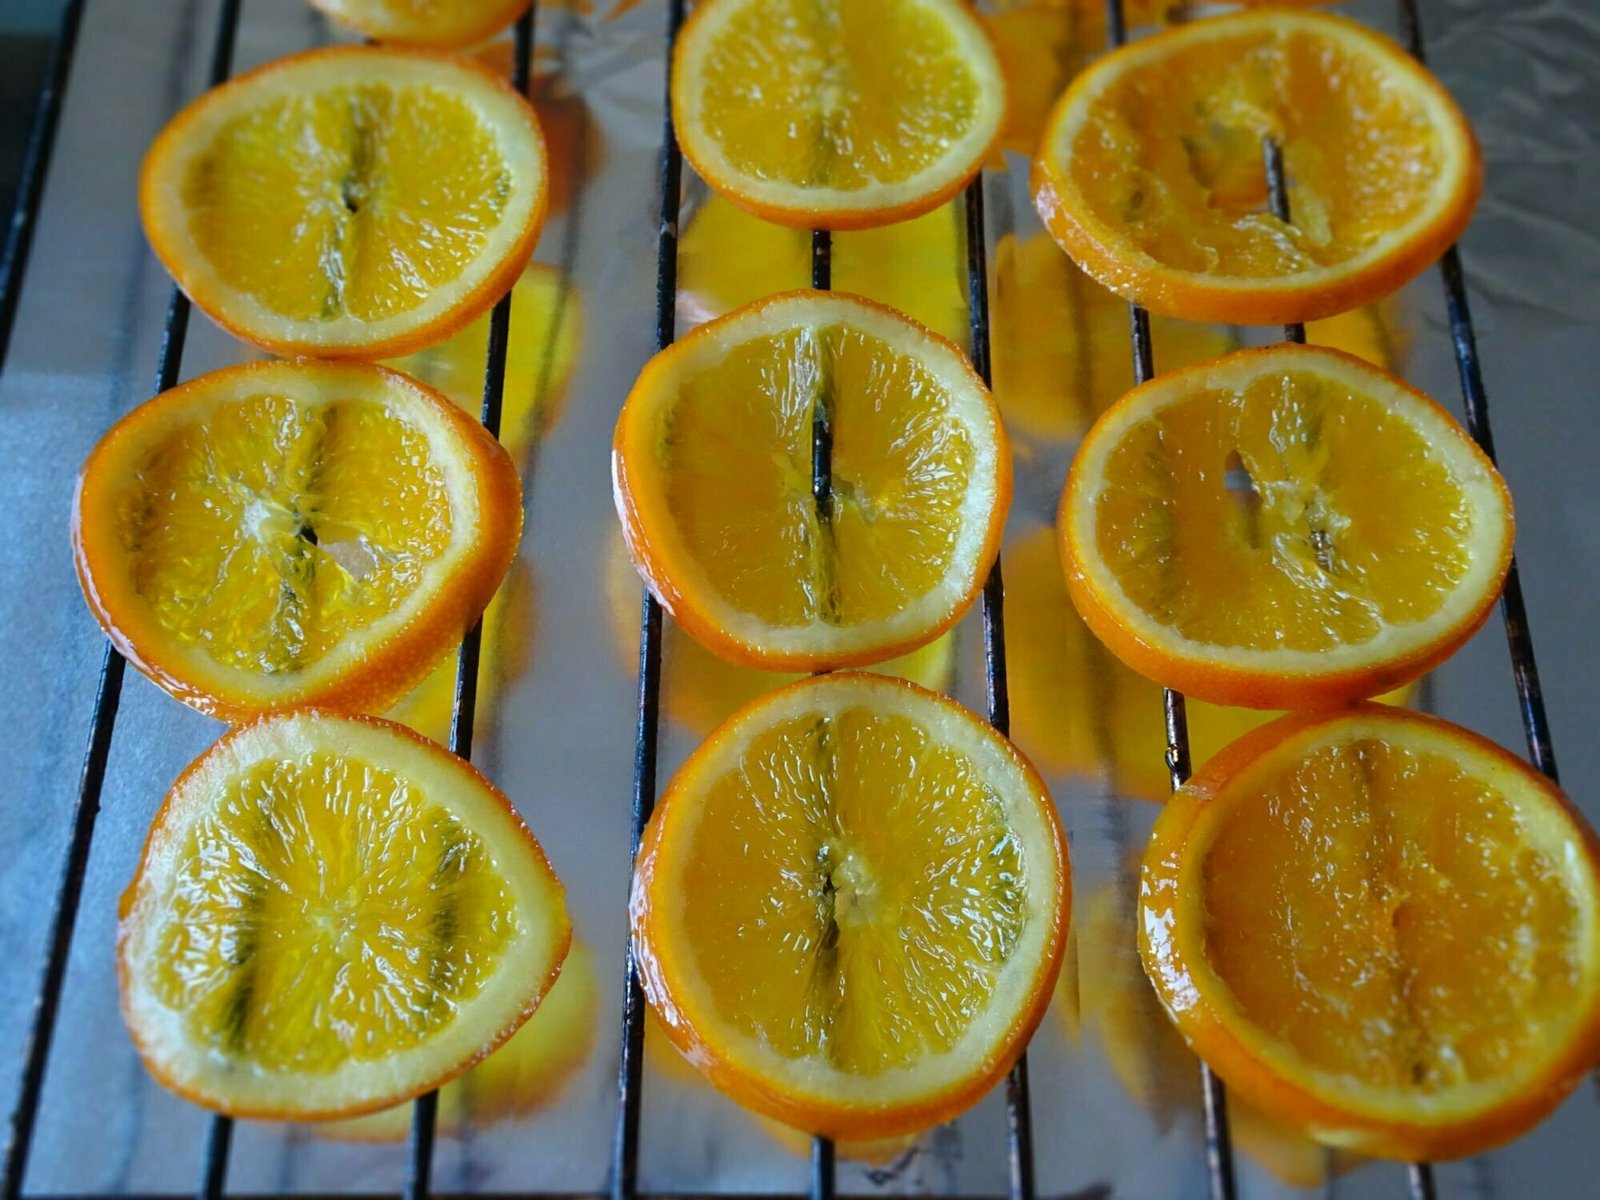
{"x": 293, "y": 533}
{"x": 350, "y": 202}
{"x": 1151, "y": 175}
{"x": 1380, "y": 927}
{"x": 713, "y": 471}
{"x": 850, "y": 906}
{"x": 835, "y": 113}
{"x": 1282, "y": 528}
{"x": 449, "y": 24}
{"x": 331, "y": 915}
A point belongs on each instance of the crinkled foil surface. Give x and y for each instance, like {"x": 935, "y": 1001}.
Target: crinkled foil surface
{"x": 1116, "y": 1099}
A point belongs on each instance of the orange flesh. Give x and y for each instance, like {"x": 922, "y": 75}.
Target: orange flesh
{"x": 1288, "y": 513}
{"x": 836, "y": 93}
{"x": 383, "y": 196}
{"x": 274, "y": 529}
{"x": 327, "y": 912}
{"x": 1359, "y": 151}
{"x": 1360, "y": 905}
{"x": 738, "y": 477}
{"x": 854, "y": 893}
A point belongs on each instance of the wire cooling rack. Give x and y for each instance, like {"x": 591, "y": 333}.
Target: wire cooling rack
{"x": 213, "y": 1153}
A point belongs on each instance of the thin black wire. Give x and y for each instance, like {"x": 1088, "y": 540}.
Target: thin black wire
{"x": 824, "y": 1175}
{"x": 1019, "y": 1098}
{"x": 1278, "y": 198}
{"x": 625, "y": 1145}
{"x": 1475, "y": 398}
{"x": 35, "y": 166}
{"x": 464, "y": 712}
{"x": 91, "y": 779}
{"x": 1219, "y": 1145}
{"x": 821, "y": 416}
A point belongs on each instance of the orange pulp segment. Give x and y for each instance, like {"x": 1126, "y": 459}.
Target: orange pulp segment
{"x": 1380, "y": 927}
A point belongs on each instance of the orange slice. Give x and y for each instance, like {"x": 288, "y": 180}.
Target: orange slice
{"x": 1151, "y": 176}
{"x": 1380, "y": 927}
{"x": 837, "y": 114}
{"x": 332, "y": 915}
{"x": 293, "y": 533}
{"x": 350, "y": 202}
{"x": 450, "y": 24}
{"x": 850, "y": 907}
{"x": 712, "y": 464}
{"x": 1282, "y": 528}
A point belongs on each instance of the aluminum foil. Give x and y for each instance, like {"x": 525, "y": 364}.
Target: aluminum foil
{"x": 1116, "y": 1098}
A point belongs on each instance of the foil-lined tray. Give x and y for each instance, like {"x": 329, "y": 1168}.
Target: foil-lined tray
{"x": 1115, "y": 1095}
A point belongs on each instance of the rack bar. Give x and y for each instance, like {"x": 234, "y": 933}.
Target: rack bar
{"x": 1219, "y": 1143}
{"x": 824, "y": 1174}
{"x": 997, "y": 694}
{"x": 625, "y": 1145}
{"x": 91, "y": 780}
{"x": 35, "y": 167}
{"x": 1475, "y": 399}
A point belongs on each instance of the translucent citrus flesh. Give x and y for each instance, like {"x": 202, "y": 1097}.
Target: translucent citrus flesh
{"x": 1429, "y": 894}
{"x": 326, "y": 912}
{"x": 738, "y": 467}
{"x": 1361, "y": 153}
{"x": 1289, "y": 512}
{"x": 384, "y": 195}
{"x": 266, "y": 534}
{"x": 835, "y": 93}
{"x": 854, "y": 891}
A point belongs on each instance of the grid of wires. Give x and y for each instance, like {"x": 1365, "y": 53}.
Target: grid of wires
{"x": 625, "y": 1151}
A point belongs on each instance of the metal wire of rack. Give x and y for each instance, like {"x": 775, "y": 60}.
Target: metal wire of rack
{"x": 625, "y": 1153}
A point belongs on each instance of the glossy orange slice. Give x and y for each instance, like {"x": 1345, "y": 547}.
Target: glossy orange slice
{"x": 1381, "y": 928}
{"x": 293, "y": 533}
{"x": 713, "y": 471}
{"x": 1151, "y": 175}
{"x": 850, "y": 906}
{"x": 1282, "y": 528}
{"x": 331, "y": 915}
{"x": 835, "y": 113}
{"x": 350, "y": 202}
